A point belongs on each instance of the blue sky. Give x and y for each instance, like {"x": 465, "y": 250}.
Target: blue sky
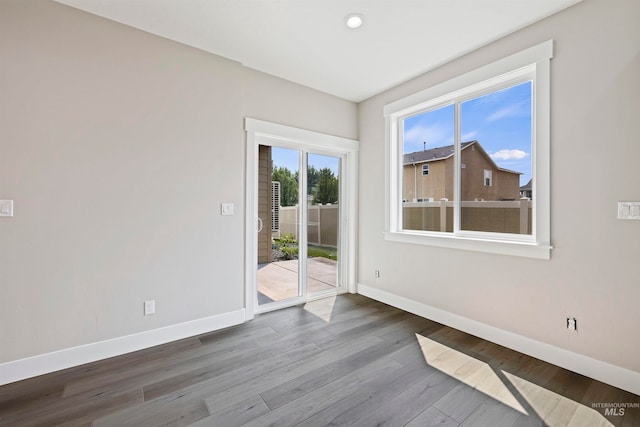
{"x": 500, "y": 122}
{"x": 284, "y": 157}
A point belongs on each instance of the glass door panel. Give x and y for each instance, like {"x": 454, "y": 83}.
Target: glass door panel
{"x": 279, "y": 224}
{"x": 323, "y": 223}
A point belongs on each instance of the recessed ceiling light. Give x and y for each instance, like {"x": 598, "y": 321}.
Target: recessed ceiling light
{"x": 354, "y": 20}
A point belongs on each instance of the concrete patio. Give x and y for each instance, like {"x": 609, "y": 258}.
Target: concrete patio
{"x": 279, "y": 280}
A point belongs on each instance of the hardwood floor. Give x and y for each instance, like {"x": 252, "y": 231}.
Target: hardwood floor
{"x": 368, "y": 365}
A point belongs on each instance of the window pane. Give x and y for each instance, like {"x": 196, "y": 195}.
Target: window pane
{"x": 323, "y": 222}
{"x": 278, "y": 209}
{"x": 427, "y": 170}
{"x": 496, "y": 147}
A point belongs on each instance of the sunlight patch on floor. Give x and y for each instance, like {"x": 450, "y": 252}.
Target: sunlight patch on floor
{"x": 471, "y": 371}
{"x": 323, "y": 308}
{"x": 509, "y": 389}
{"x": 555, "y": 409}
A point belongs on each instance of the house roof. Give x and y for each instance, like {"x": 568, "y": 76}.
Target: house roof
{"x": 527, "y": 186}
{"x": 433, "y": 154}
{"x": 442, "y": 153}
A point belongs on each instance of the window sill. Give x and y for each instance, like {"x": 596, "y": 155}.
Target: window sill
{"x": 502, "y": 247}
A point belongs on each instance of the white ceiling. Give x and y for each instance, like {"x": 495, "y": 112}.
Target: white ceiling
{"x": 306, "y": 41}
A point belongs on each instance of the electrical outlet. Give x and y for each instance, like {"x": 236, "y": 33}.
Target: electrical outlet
{"x": 629, "y": 210}
{"x": 572, "y": 324}
{"x": 377, "y": 273}
{"x": 6, "y": 207}
{"x": 149, "y": 307}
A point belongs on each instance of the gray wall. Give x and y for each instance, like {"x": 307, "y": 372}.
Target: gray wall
{"x": 594, "y": 164}
{"x": 118, "y": 148}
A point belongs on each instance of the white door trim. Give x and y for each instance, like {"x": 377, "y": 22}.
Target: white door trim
{"x": 266, "y": 133}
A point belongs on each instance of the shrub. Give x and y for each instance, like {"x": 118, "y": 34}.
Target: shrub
{"x": 289, "y": 252}
{"x": 288, "y": 239}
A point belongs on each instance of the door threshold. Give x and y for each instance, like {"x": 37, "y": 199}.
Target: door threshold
{"x": 291, "y": 302}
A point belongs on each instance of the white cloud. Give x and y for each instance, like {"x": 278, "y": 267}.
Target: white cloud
{"x": 509, "y": 155}
{"x": 509, "y": 111}
{"x": 434, "y": 136}
{"x": 469, "y": 136}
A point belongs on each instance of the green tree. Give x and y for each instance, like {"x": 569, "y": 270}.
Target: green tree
{"x": 288, "y": 185}
{"x": 312, "y": 179}
{"x": 327, "y": 188}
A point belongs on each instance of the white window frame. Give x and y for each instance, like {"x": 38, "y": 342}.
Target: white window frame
{"x": 488, "y": 175}
{"x": 530, "y": 64}
{"x": 427, "y": 169}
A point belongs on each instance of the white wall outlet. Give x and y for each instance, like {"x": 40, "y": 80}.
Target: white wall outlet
{"x": 6, "y": 207}
{"x": 226, "y": 209}
{"x": 377, "y": 273}
{"x": 149, "y": 307}
{"x": 629, "y": 210}
{"x": 572, "y": 324}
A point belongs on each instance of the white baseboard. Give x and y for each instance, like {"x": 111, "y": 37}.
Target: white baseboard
{"x": 50, "y": 362}
{"x": 602, "y": 371}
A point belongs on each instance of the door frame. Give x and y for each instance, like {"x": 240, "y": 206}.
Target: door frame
{"x": 260, "y": 132}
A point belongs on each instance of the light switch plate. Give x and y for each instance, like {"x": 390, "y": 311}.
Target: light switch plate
{"x": 6, "y": 207}
{"x": 149, "y": 307}
{"x": 629, "y": 210}
{"x": 226, "y": 209}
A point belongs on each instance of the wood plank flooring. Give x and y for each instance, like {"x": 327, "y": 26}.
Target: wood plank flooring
{"x": 369, "y": 364}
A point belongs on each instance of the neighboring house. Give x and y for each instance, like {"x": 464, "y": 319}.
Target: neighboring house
{"x": 527, "y": 190}
{"x": 428, "y": 175}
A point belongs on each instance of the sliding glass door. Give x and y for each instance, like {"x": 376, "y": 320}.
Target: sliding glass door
{"x": 299, "y": 216}
{"x": 298, "y": 225}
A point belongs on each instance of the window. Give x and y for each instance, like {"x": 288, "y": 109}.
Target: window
{"x": 485, "y": 135}
{"x": 487, "y": 177}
